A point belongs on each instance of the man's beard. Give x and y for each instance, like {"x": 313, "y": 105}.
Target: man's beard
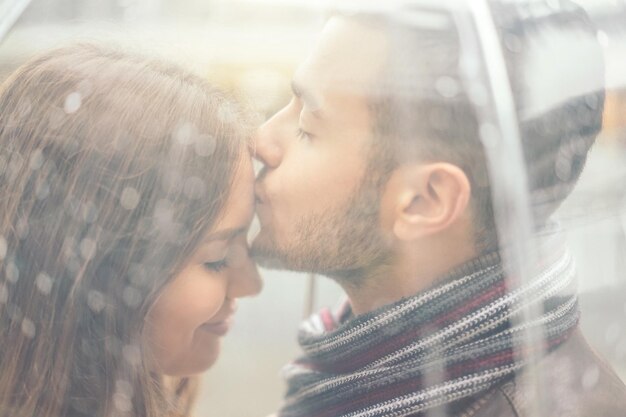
{"x": 344, "y": 244}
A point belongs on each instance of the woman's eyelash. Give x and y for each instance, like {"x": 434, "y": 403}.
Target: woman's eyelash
{"x": 216, "y": 266}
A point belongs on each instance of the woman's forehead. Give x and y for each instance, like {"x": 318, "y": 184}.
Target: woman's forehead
{"x": 239, "y": 208}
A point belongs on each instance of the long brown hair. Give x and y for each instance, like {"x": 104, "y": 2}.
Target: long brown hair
{"x": 112, "y": 167}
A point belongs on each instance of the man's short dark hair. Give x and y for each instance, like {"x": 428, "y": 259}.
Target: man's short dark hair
{"x": 422, "y": 112}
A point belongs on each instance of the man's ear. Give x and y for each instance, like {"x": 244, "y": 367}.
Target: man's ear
{"x": 422, "y": 200}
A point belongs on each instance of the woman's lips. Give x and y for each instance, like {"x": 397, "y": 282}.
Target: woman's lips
{"x": 220, "y": 328}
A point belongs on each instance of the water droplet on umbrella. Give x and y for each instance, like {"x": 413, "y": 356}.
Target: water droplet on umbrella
{"x": 123, "y": 386}
{"x": 590, "y": 377}
{"x": 72, "y": 102}
{"x": 131, "y": 296}
{"x": 185, "y": 133}
{"x": 28, "y": 328}
{"x": 226, "y": 113}
{"x": 129, "y": 198}
{"x": 164, "y": 216}
{"x": 122, "y": 402}
{"x": 448, "y": 87}
{"x": 95, "y": 301}
{"x": 43, "y": 282}
{"x": 12, "y": 272}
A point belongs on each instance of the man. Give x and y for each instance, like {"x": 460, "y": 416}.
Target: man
{"x": 375, "y": 175}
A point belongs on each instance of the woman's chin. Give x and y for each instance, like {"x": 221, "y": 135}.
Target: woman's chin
{"x": 194, "y": 362}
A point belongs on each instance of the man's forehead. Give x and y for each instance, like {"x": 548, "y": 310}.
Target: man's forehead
{"x": 348, "y": 56}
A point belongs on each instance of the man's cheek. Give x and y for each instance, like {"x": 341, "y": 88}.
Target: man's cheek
{"x": 276, "y": 188}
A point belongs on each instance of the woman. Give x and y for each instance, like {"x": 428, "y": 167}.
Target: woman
{"x": 125, "y": 195}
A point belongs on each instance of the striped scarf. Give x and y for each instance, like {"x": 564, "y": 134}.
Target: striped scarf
{"x": 446, "y": 344}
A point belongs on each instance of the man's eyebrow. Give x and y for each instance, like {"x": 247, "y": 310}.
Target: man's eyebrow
{"x": 310, "y": 101}
{"x": 225, "y": 234}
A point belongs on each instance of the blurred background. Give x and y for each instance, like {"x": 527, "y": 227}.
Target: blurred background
{"x": 252, "y": 47}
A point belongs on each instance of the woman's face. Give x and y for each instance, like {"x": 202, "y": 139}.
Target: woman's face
{"x": 185, "y": 324}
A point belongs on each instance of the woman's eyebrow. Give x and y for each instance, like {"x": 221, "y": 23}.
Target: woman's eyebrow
{"x": 225, "y": 234}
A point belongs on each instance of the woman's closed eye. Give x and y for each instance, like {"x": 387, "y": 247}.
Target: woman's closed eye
{"x": 216, "y": 266}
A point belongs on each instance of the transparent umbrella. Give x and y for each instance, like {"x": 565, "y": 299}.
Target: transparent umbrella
{"x": 526, "y": 97}
{"x": 566, "y": 71}
{"x": 519, "y": 88}
{"x": 10, "y": 11}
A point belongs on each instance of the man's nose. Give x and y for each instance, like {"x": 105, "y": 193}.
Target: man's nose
{"x": 267, "y": 145}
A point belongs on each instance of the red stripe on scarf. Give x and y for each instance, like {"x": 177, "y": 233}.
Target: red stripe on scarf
{"x": 454, "y": 315}
{"x": 390, "y": 345}
{"x": 467, "y": 367}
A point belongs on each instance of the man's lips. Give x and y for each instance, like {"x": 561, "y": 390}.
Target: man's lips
{"x": 263, "y": 213}
{"x": 262, "y": 206}
{"x": 258, "y": 195}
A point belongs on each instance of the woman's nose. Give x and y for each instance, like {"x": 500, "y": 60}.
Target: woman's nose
{"x": 246, "y": 280}
{"x": 248, "y": 283}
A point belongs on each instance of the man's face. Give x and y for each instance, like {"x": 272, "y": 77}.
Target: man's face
{"x": 317, "y": 207}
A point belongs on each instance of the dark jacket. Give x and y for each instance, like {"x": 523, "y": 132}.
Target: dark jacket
{"x": 577, "y": 383}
